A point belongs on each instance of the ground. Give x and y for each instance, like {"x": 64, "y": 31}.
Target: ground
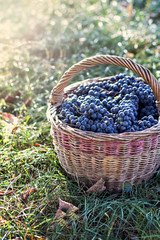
{"x": 39, "y": 41}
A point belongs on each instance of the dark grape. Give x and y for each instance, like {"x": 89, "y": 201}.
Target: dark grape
{"x": 121, "y": 104}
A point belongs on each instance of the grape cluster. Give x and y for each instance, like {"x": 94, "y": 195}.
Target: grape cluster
{"x": 121, "y": 104}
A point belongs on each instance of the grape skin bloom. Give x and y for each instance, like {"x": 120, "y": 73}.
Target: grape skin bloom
{"x": 121, "y": 104}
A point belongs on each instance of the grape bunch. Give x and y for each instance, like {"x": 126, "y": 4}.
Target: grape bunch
{"x": 121, "y": 104}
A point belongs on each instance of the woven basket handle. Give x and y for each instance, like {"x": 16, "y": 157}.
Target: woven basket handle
{"x": 57, "y": 92}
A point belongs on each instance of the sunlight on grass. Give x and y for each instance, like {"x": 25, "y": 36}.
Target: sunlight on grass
{"x": 19, "y": 18}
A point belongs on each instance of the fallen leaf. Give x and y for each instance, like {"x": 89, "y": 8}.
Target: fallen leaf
{"x": 25, "y": 196}
{"x": 60, "y": 214}
{"x": 64, "y": 208}
{"x": 36, "y": 144}
{"x": 68, "y": 206}
{"x": 28, "y": 102}
{"x": 14, "y": 129}
{"x": 17, "y": 93}
{"x": 65, "y": 211}
{"x": 98, "y": 187}
{"x": 2, "y": 193}
{"x": 10, "y": 99}
{"x": 9, "y": 118}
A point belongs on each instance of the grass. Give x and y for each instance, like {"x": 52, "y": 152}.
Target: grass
{"x": 39, "y": 41}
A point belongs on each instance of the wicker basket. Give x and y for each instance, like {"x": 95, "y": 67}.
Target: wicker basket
{"x": 88, "y": 156}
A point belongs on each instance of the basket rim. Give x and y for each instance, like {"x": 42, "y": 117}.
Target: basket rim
{"x": 57, "y": 92}
{"x": 89, "y": 135}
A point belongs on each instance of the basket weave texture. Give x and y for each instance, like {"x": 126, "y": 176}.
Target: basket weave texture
{"x": 88, "y": 156}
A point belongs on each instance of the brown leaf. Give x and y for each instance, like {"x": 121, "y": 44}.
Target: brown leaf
{"x": 10, "y": 99}
{"x": 2, "y": 193}
{"x": 98, "y": 187}
{"x": 14, "y": 129}
{"x": 25, "y": 196}
{"x": 17, "y": 93}
{"x": 36, "y": 144}
{"x": 68, "y": 206}
{"x": 65, "y": 206}
{"x": 59, "y": 214}
{"x": 28, "y": 102}
{"x": 10, "y": 118}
